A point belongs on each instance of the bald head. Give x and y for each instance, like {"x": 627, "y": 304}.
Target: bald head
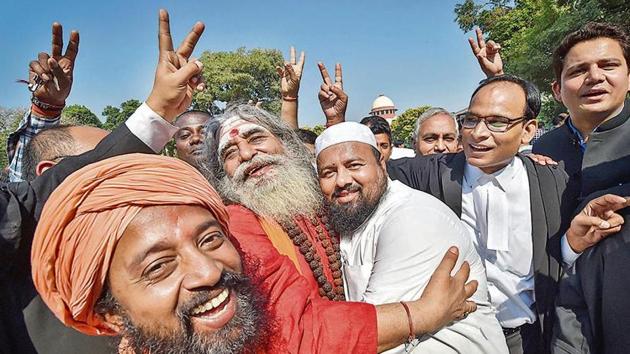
{"x": 51, "y": 145}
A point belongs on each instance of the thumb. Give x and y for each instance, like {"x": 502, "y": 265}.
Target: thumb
{"x": 339, "y": 92}
{"x": 588, "y": 221}
{"x": 186, "y": 72}
{"x": 448, "y": 262}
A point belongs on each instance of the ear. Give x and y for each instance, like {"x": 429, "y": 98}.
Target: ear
{"x": 42, "y": 166}
{"x": 382, "y": 162}
{"x": 556, "y": 89}
{"x": 113, "y": 322}
{"x": 529, "y": 130}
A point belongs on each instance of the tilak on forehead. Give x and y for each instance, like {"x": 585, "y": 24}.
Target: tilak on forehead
{"x": 233, "y": 127}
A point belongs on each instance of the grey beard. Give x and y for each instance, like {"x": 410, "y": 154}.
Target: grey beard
{"x": 247, "y": 330}
{"x": 292, "y": 190}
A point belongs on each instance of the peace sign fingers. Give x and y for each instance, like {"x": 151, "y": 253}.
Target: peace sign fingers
{"x": 324, "y": 72}
{"x": 73, "y": 47}
{"x": 338, "y": 76}
{"x": 164, "y": 35}
{"x": 57, "y": 40}
{"x": 188, "y": 44}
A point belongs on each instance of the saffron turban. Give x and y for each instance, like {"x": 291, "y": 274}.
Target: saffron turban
{"x": 87, "y": 214}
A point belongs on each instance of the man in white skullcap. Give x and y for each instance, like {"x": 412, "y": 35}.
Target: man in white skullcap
{"x": 392, "y": 238}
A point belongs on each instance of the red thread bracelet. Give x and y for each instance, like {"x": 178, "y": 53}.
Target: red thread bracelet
{"x": 412, "y": 334}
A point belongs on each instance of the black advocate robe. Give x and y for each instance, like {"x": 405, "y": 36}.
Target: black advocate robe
{"x": 442, "y": 176}
{"x": 20, "y": 306}
{"x": 594, "y": 301}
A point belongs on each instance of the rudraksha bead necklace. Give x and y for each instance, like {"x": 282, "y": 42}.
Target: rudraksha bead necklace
{"x": 330, "y": 243}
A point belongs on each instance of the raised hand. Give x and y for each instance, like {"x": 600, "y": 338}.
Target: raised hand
{"x": 54, "y": 71}
{"x": 290, "y": 76}
{"x": 332, "y": 98}
{"x": 176, "y": 77}
{"x": 487, "y": 54}
{"x": 596, "y": 221}
{"x": 445, "y": 298}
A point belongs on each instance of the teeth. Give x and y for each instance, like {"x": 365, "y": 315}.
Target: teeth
{"x": 216, "y": 301}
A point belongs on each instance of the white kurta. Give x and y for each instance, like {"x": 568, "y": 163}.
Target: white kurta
{"x": 391, "y": 257}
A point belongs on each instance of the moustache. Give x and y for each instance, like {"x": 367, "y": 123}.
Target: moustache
{"x": 229, "y": 280}
{"x": 259, "y": 161}
{"x": 351, "y": 188}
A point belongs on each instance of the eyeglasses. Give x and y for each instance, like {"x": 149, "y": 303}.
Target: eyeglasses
{"x": 494, "y": 124}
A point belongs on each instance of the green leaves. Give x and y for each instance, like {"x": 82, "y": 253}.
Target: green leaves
{"x": 115, "y": 116}
{"x": 240, "y": 76}
{"x": 402, "y": 127}
{"x": 529, "y": 31}
{"x": 79, "y": 115}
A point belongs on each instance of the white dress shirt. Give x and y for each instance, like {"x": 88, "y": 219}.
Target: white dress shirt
{"x": 496, "y": 211}
{"x": 398, "y": 153}
{"x": 150, "y": 128}
{"x": 393, "y": 254}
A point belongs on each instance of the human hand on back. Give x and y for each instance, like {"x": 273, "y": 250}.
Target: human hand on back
{"x": 445, "y": 298}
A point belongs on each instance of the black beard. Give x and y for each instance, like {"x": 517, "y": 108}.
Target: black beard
{"x": 248, "y": 330}
{"x": 345, "y": 218}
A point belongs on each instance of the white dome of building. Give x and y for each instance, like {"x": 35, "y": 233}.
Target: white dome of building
{"x": 382, "y": 101}
{"x": 384, "y": 107}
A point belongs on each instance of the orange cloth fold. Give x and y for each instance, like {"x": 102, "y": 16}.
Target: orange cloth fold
{"x": 87, "y": 214}
{"x": 280, "y": 240}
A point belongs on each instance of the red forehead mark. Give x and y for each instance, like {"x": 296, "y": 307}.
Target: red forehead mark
{"x": 233, "y": 132}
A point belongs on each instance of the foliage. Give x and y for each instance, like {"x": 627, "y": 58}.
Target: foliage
{"x": 240, "y": 76}
{"x": 317, "y": 129}
{"x": 169, "y": 149}
{"x": 402, "y": 127}
{"x": 79, "y": 115}
{"x": 115, "y": 116}
{"x": 529, "y": 31}
{"x": 9, "y": 121}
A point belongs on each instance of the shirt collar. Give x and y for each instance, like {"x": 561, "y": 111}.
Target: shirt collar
{"x": 503, "y": 177}
{"x": 617, "y": 120}
{"x": 580, "y": 139}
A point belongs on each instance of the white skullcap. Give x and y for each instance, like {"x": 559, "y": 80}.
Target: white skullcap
{"x": 342, "y": 133}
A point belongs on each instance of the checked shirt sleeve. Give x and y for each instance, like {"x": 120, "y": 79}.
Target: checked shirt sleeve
{"x": 30, "y": 125}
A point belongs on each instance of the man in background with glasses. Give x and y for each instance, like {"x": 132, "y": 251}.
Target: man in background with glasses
{"x": 510, "y": 206}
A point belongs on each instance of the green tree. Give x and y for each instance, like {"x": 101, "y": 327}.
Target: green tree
{"x": 79, "y": 115}
{"x": 529, "y": 31}
{"x": 317, "y": 129}
{"x": 114, "y": 116}
{"x": 9, "y": 121}
{"x": 240, "y": 76}
{"x": 402, "y": 127}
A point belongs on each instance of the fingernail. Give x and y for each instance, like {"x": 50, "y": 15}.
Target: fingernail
{"x": 45, "y": 77}
{"x": 199, "y": 64}
{"x": 604, "y": 225}
{"x": 453, "y": 250}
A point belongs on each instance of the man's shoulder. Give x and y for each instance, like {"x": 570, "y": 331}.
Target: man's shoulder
{"x": 410, "y": 203}
{"x": 548, "y": 144}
